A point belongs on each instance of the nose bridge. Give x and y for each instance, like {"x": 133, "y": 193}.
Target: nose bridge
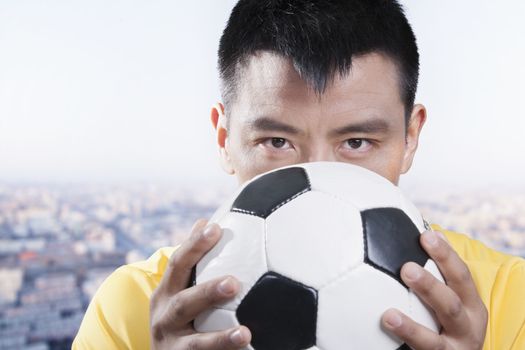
{"x": 320, "y": 150}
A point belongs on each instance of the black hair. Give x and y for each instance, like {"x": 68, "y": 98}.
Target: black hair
{"x": 320, "y": 37}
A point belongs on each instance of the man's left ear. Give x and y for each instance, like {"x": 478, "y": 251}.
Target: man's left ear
{"x": 418, "y": 118}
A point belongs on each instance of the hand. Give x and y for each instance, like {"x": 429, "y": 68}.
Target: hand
{"x": 174, "y": 306}
{"x": 457, "y": 304}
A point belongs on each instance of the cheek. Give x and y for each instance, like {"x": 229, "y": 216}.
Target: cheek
{"x": 394, "y": 163}
{"x": 250, "y": 166}
{"x": 248, "y": 162}
{"x": 245, "y": 161}
{"x": 387, "y": 163}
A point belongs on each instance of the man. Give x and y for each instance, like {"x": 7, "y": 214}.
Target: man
{"x": 303, "y": 81}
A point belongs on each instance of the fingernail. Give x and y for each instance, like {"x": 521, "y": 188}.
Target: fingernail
{"x": 237, "y": 337}
{"x": 226, "y": 287}
{"x": 412, "y": 272}
{"x": 209, "y": 231}
{"x": 431, "y": 238}
{"x": 393, "y": 320}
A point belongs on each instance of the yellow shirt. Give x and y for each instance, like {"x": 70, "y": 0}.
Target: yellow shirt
{"x": 118, "y": 315}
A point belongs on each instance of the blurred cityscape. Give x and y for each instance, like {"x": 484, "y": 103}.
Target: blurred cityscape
{"x": 58, "y": 243}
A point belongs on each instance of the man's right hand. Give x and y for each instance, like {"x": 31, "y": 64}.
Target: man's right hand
{"x": 174, "y": 306}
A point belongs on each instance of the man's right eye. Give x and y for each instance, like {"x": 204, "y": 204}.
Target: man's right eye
{"x": 276, "y": 142}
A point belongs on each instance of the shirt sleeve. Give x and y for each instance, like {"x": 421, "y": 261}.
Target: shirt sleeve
{"x": 500, "y": 281}
{"x": 507, "y": 307}
{"x": 118, "y": 315}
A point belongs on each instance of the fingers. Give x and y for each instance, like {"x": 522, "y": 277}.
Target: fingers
{"x": 230, "y": 339}
{"x": 444, "y": 301}
{"x": 173, "y": 306}
{"x": 178, "y": 271}
{"x": 412, "y": 333}
{"x": 453, "y": 269}
{"x": 187, "y": 304}
{"x": 456, "y": 304}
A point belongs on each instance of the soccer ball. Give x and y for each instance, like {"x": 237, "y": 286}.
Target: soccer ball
{"x": 318, "y": 249}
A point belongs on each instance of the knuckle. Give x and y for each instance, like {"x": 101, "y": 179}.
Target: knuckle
{"x": 455, "y": 308}
{"x": 178, "y": 309}
{"x": 175, "y": 259}
{"x": 199, "y": 245}
{"x": 196, "y": 244}
{"x": 427, "y": 283}
{"x": 210, "y": 293}
{"x": 443, "y": 252}
{"x": 464, "y": 275}
{"x": 179, "y": 261}
{"x": 422, "y": 290}
{"x": 425, "y": 286}
{"x": 195, "y": 235}
{"x": 156, "y": 332}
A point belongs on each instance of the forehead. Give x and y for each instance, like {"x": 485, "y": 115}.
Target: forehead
{"x": 269, "y": 83}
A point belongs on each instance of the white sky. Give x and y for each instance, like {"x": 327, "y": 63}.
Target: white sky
{"x": 121, "y": 90}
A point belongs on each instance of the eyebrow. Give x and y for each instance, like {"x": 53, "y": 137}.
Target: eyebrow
{"x": 269, "y": 124}
{"x": 373, "y": 126}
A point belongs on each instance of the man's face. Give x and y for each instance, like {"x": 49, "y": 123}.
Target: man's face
{"x": 277, "y": 119}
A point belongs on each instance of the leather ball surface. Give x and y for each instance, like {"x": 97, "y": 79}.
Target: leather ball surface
{"x": 318, "y": 249}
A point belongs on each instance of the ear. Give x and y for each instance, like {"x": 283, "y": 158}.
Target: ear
{"x": 418, "y": 118}
{"x": 218, "y": 120}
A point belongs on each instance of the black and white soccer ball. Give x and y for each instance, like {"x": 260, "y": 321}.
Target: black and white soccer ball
{"x": 318, "y": 249}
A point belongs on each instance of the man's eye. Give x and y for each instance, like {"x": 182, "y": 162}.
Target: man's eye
{"x": 276, "y": 142}
{"x": 357, "y": 143}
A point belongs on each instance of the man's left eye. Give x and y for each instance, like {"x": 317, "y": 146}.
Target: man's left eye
{"x": 357, "y": 143}
{"x": 278, "y": 142}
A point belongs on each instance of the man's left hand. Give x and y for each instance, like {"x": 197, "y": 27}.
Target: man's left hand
{"x": 456, "y": 304}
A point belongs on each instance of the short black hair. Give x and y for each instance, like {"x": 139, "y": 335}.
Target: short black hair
{"x": 320, "y": 37}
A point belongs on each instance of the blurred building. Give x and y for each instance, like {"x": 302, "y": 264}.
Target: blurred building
{"x": 58, "y": 244}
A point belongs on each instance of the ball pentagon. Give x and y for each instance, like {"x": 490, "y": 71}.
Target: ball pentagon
{"x": 280, "y": 312}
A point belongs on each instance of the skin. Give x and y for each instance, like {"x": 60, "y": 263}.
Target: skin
{"x": 275, "y": 120}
